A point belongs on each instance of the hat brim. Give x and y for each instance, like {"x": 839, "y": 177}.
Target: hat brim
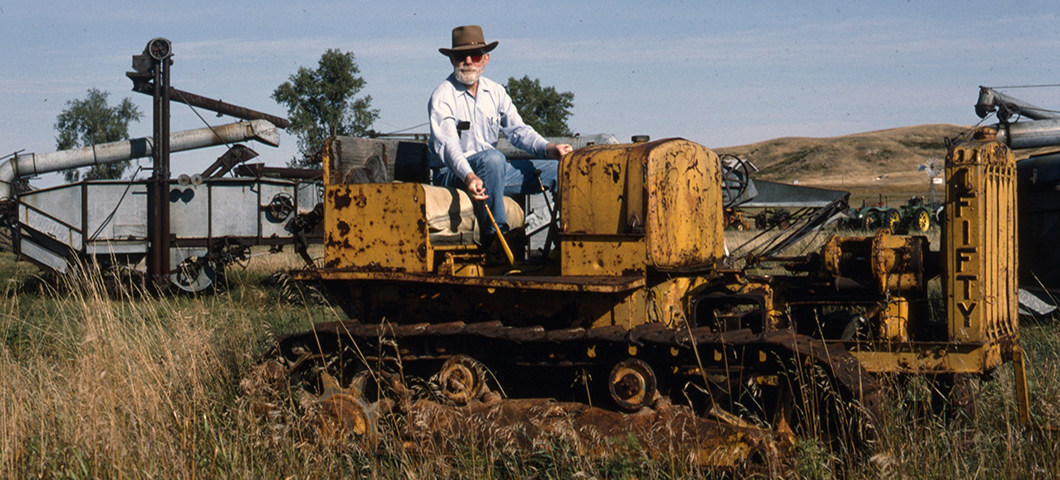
{"x": 464, "y": 48}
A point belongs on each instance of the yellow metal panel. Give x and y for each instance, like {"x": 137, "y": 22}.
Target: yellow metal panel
{"x": 979, "y": 241}
{"x": 913, "y": 358}
{"x": 668, "y": 190}
{"x": 376, "y": 226}
{"x": 602, "y": 191}
{"x": 628, "y": 312}
{"x": 604, "y": 284}
{"x": 328, "y": 160}
{"x": 596, "y": 255}
{"x": 894, "y": 322}
{"x": 684, "y": 217}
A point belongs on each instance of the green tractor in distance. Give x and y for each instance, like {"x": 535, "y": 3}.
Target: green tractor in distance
{"x": 913, "y": 217}
{"x": 916, "y": 218}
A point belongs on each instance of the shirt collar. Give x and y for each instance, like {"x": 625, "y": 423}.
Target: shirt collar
{"x": 461, "y": 89}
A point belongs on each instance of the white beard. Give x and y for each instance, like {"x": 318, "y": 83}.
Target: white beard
{"x": 467, "y": 75}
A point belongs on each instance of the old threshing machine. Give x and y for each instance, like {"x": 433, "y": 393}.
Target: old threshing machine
{"x": 178, "y": 231}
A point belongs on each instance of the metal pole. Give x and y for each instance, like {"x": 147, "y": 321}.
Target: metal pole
{"x": 163, "y": 176}
{"x": 158, "y": 52}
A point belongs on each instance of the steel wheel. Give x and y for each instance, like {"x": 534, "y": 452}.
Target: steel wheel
{"x": 632, "y": 384}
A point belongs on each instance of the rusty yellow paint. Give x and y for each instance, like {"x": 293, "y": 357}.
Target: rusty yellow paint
{"x": 979, "y": 244}
{"x": 891, "y": 264}
{"x": 602, "y": 189}
{"x": 621, "y": 285}
{"x": 668, "y": 300}
{"x": 376, "y": 225}
{"x": 894, "y": 322}
{"x": 685, "y": 224}
{"x": 1022, "y": 398}
{"x": 929, "y": 358}
{"x": 603, "y": 255}
{"x": 627, "y": 310}
{"x": 460, "y": 265}
{"x": 667, "y": 191}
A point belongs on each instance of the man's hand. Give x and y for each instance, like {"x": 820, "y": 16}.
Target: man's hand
{"x": 557, "y": 151}
{"x": 476, "y": 188}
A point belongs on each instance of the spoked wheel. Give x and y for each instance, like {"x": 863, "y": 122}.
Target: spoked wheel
{"x": 735, "y": 175}
{"x": 921, "y": 222}
{"x": 891, "y": 219}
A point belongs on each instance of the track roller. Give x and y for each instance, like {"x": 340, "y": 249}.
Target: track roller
{"x": 632, "y": 384}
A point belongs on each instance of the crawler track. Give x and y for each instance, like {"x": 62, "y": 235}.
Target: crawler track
{"x": 761, "y": 378}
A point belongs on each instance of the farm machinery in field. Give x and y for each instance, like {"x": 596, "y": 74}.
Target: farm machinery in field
{"x": 641, "y": 323}
{"x": 913, "y": 217}
{"x": 172, "y": 232}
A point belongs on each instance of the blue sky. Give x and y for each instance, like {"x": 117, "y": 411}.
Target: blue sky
{"x": 719, "y": 73}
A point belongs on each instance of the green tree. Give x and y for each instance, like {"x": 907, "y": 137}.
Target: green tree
{"x": 322, "y": 103}
{"x": 92, "y": 121}
{"x": 543, "y": 108}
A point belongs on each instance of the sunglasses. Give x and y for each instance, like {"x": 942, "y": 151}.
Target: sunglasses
{"x": 474, "y": 55}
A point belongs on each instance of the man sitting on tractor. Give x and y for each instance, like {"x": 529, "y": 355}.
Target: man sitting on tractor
{"x": 467, "y": 112}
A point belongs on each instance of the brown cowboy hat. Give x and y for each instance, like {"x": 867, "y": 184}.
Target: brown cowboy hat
{"x": 468, "y": 37}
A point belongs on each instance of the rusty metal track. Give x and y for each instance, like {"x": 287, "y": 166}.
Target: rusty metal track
{"x": 533, "y": 345}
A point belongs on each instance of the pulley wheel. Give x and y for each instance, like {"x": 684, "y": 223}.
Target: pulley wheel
{"x": 632, "y": 384}
{"x": 462, "y": 379}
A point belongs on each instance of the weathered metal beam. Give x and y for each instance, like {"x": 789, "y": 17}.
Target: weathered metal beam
{"x": 212, "y": 105}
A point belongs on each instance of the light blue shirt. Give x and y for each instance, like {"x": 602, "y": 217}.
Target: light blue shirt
{"x": 491, "y": 112}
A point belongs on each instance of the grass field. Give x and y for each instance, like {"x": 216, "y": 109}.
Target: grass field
{"x": 134, "y": 386}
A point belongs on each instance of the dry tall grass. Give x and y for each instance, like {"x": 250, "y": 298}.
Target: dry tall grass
{"x": 129, "y": 386}
{"x": 145, "y": 387}
{"x": 149, "y": 387}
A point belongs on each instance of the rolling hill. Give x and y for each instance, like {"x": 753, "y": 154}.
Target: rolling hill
{"x": 867, "y": 164}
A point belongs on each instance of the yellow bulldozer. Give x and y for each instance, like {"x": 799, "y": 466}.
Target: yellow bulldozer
{"x": 639, "y": 322}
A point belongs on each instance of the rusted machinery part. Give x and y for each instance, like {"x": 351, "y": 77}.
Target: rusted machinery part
{"x": 850, "y": 408}
{"x": 462, "y": 379}
{"x": 632, "y": 384}
{"x": 665, "y": 433}
{"x": 343, "y": 413}
{"x": 195, "y": 274}
{"x": 423, "y": 426}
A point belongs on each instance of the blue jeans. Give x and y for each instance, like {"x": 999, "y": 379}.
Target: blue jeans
{"x": 502, "y": 178}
